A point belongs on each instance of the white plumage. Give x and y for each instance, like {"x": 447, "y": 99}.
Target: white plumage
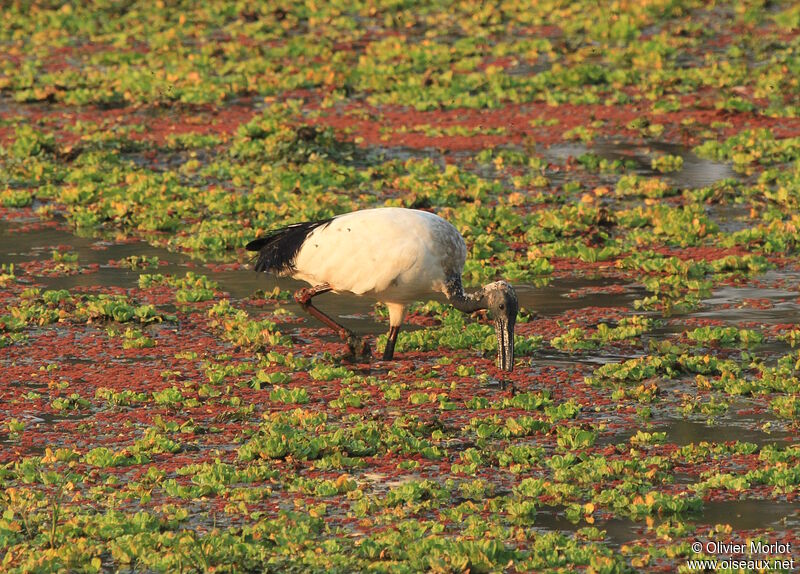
{"x": 393, "y": 255}
{"x": 396, "y": 254}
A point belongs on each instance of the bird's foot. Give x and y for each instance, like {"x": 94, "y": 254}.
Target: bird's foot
{"x": 303, "y": 296}
{"x": 509, "y": 386}
{"x": 358, "y": 346}
{"x": 505, "y": 385}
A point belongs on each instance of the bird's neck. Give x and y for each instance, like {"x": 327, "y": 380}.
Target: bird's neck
{"x": 466, "y": 302}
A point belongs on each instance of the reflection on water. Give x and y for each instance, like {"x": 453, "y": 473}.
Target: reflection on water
{"x": 742, "y": 422}
{"x": 730, "y": 218}
{"x": 54, "y": 419}
{"x": 559, "y": 295}
{"x": 752, "y": 514}
{"x": 739, "y": 514}
{"x": 696, "y": 172}
{"x": 682, "y": 432}
{"x": 526, "y": 68}
{"x": 782, "y": 305}
{"x": 619, "y": 531}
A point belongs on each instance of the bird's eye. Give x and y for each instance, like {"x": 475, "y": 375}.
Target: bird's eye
{"x": 502, "y": 306}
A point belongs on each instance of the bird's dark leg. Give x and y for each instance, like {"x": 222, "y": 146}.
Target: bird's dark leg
{"x": 356, "y": 345}
{"x": 388, "y": 352}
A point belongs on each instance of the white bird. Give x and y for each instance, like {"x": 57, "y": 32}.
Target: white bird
{"x": 391, "y": 254}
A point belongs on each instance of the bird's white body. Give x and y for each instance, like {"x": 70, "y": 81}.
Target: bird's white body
{"x": 393, "y": 255}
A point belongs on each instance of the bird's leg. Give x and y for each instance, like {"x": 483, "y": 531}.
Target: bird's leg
{"x": 388, "y": 352}
{"x": 303, "y": 298}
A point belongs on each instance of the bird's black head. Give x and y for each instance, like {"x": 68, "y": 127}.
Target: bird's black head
{"x": 501, "y": 301}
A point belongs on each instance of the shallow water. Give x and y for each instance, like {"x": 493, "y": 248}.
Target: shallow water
{"x": 619, "y": 531}
{"x": 525, "y": 68}
{"x": 731, "y": 304}
{"x": 738, "y": 514}
{"x": 683, "y": 432}
{"x": 696, "y": 172}
{"x": 752, "y": 514}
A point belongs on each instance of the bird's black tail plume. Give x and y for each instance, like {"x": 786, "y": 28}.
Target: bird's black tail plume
{"x": 278, "y": 249}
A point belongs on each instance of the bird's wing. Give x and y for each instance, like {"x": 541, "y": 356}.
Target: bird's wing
{"x": 278, "y": 249}
{"x": 358, "y": 253}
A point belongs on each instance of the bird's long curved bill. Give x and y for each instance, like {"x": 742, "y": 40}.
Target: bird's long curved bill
{"x": 505, "y": 345}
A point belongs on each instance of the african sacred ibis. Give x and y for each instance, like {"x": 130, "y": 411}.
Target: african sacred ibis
{"x": 391, "y": 254}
